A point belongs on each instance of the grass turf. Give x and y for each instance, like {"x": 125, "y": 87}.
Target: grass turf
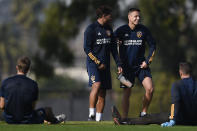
{"x": 91, "y": 126}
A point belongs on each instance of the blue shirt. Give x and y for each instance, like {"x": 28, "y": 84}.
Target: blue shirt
{"x": 98, "y": 43}
{"x": 132, "y": 48}
{"x": 184, "y": 96}
{"x": 19, "y": 93}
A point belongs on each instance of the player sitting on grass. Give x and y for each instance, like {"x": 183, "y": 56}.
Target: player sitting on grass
{"x": 18, "y": 96}
{"x": 183, "y": 108}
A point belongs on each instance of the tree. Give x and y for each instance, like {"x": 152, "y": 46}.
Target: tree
{"x": 62, "y": 23}
{"x": 10, "y": 49}
{"x": 174, "y": 29}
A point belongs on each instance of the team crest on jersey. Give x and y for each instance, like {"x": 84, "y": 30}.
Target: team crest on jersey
{"x": 93, "y": 78}
{"x": 139, "y": 34}
{"x": 108, "y": 32}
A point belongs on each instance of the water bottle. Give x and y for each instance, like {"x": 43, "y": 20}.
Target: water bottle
{"x": 124, "y": 81}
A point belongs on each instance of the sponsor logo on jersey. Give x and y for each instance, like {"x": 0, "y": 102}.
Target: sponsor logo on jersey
{"x": 108, "y": 32}
{"x": 103, "y": 41}
{"x": 126, "y": 35}
{"x": 133, "y": 42}
{"x": 93, "y": 78}
{"x": 139, "y": 34}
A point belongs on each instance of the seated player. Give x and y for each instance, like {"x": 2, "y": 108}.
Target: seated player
{"x": 18, "y": 96}
{"x": 183, "y": 108}
{"x": 184, "y": 98}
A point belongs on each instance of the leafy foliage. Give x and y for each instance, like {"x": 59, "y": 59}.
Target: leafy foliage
{"x": 171, "y": 22}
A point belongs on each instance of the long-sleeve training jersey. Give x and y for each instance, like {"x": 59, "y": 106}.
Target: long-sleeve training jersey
{"x": 184, "y": 101}
{"x": 98, "y": 43}
{"x": 132, "y": 48}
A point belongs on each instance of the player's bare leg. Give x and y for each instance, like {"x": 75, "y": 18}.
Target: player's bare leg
{"x": 100, "y": 104}
{"x": 125, "y": 102}
{"x": 93, "y": 98}
{"x": 149, "y": 88}
{"x": 94, "y": 94}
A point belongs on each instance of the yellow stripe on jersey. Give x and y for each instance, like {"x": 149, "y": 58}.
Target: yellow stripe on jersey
{"x": 151, "y": 58}
{"x": 92, "y": 57}
{"x": 172, "y": 112}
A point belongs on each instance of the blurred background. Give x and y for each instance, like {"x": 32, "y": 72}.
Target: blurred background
{"x": 50, "y": 32}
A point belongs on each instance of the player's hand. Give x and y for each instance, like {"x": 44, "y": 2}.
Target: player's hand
{"x": 119, "y": 70}
{"x": 168, "y": 124}
{"x": 119, "y": 42}
{"x": 143, "y": 65}
{"x": 101, "y": 67}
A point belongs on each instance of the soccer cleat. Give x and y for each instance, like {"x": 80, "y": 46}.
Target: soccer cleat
{"x": 91, "y": 118}
{"x": 116, "y": 116}
{"x": 117, "y": 121}
{"x": 115, "y": 113}
{"x": 144, "y": 115}
{"x": 61, "y": 118}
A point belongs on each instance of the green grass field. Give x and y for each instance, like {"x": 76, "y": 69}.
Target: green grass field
{"x": 91, "y": 126}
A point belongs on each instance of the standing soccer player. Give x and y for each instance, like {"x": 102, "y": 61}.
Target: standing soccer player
{"x": 98, "y": 43}
{"x": 132, "y": 41}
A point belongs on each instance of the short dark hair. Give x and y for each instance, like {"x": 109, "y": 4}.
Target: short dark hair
{"x": 23, "y": 64}
{"x": 185, "y": 67}
{"x": 103, "y": 10}
{"x": 133, "y": 9}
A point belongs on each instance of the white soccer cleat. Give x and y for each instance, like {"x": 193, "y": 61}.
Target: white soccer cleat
{"x": 61, "y": 118}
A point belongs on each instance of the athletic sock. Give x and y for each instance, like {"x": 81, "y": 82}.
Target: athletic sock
{"x": 91, "y": 112}
{"x": 98, "y": 116}
{"x": 142, "y": 113}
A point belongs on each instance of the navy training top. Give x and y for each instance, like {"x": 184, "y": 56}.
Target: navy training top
{"x": 19, "y": 93}
{"x": 132, "y": 48}
{"x": 184, "y": 98}
{"x": 99, "y": 41}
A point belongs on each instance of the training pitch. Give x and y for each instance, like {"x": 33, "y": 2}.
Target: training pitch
{"x": 91, "y": 126}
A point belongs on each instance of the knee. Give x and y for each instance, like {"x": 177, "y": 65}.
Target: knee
{"x": 102, "y": 94}
{"x": 96, "y": 85}
{"x": 150, "y": 90}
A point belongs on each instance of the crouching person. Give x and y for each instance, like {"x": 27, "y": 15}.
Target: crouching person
{"x": 18, "y": 96}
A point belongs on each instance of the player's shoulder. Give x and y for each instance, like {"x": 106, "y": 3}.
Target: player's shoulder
{"x": 15, "y": 78}
{"x": 123, "y": 27}
{"x": 7, "y": 80}
{"x": 142, "y": 27}
{"x": 91, "y": 26}
{"x": 178, "y": 84}
{"x": 33, "y": 81}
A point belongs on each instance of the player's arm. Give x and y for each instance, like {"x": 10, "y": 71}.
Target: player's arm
{"x": 2, "y": 103}
{"x": 175, "y": 96}
{"x": 152, "y": 47}
{"x": 174, "y": 107}
{"x": 88, "y": 41}
{"x": 34, "y": 105}
{"x": 36, "y": 94}
{"x": 2, "y": 99}
{"x": 114, "y": 51}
